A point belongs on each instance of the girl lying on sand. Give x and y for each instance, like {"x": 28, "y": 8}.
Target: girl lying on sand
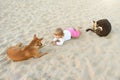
{"x": 63, "y": 35}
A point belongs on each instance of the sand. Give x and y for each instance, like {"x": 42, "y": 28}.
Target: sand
{"x": 89, "y": 57}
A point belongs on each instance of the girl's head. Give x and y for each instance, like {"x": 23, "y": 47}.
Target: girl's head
{"x": 58, "y": 33}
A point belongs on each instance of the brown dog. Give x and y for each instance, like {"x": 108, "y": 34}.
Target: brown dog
{"x": 19, "y": 53}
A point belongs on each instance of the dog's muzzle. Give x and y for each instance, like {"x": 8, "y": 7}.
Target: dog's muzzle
{"x": 40, "y": 45}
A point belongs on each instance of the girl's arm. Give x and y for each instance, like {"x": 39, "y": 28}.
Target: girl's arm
{"x": 60, "y": 42}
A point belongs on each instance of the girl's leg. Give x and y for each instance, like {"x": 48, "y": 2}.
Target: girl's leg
{"x": 74, "y": 32}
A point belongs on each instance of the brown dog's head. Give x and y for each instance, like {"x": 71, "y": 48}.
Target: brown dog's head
{"x": 36, "y": 42}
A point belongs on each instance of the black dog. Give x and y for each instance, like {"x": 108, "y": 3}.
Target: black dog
{"x": 101, "y": 27}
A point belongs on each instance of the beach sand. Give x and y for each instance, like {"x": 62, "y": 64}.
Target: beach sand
{"x": 89, "y": 57}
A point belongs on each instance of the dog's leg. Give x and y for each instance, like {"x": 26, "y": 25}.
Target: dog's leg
{"x": 93, "y": 29}
{"x": 94, "y": 25}
{"x": 37, "y": 55}
{"x": 42, "y": 54}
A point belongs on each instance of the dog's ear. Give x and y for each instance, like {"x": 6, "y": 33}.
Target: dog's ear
{"x": 93, "y": 21}
{"x": 41, "y": 38}
{"x": 34, "y": 36}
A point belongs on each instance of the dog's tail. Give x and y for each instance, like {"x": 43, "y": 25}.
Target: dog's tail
{"x": 90, "y": 30}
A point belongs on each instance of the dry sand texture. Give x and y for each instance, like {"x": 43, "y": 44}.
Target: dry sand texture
{"x": 89, "y": 57}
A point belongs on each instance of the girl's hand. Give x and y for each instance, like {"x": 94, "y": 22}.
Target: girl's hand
{"x": 53, "y": 42}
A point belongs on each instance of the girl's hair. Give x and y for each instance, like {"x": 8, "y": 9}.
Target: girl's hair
{"x": 59, "y": 31}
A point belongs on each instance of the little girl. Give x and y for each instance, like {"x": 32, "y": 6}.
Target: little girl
{"x": 63, "y": 35}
